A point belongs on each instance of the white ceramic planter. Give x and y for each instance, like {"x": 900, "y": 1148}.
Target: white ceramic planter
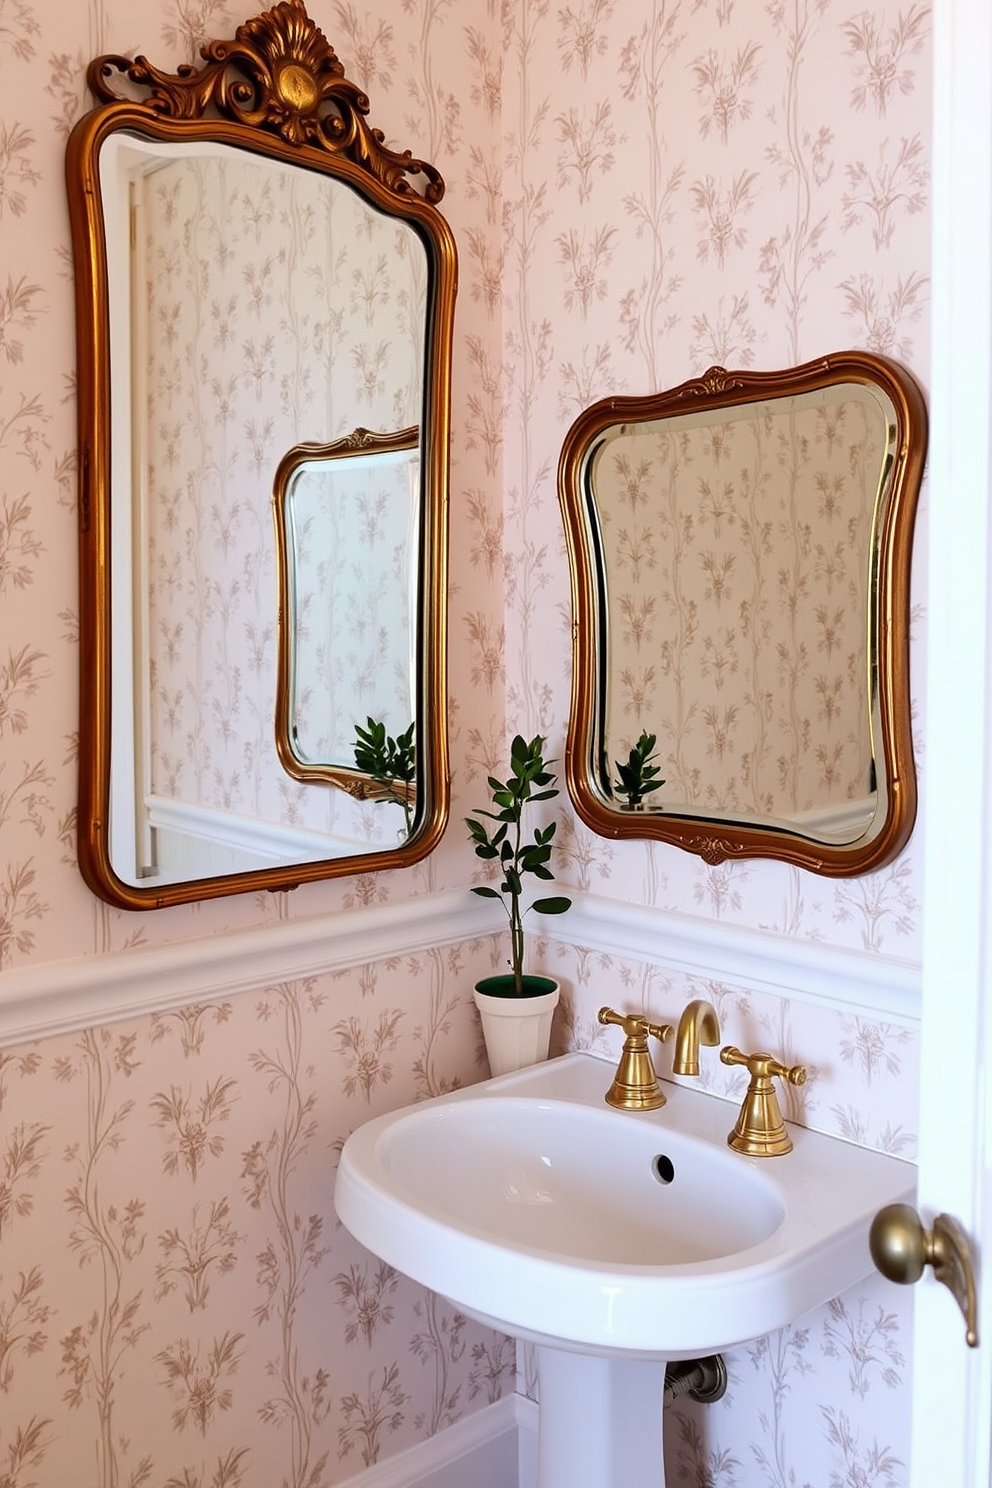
{"x": 517, "y": 1030}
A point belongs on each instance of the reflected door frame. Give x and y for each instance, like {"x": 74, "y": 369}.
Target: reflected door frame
{"x": 952, "y": 1384}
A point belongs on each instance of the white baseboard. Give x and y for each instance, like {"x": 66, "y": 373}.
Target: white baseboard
{"x": 493, "y": 1448}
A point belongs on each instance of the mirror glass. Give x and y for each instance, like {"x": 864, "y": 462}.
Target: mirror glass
{"x": 740, "y": 551}
{"x": 255, "y": 275}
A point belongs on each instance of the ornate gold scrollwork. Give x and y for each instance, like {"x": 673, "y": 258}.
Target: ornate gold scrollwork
{"x": 280, "y": 74}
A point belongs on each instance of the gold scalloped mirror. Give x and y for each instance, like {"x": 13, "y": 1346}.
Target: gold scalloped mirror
{"x": 255, "y": 271}
{"x": 740, "y": 559}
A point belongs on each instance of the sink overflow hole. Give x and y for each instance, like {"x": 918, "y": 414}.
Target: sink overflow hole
{"x": 663, "y": 1168}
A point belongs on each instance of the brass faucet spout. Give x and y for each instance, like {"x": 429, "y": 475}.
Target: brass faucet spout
{"x": 697, "y": 1025}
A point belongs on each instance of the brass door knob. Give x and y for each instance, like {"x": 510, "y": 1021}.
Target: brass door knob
{"x": 901, "y": 1248}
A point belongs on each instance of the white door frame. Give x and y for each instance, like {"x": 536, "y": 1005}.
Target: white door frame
{"x": 952, "y": 1385}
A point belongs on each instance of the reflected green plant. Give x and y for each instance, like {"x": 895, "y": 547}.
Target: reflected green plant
{"x": 637, "y": 776}
{"x": 387, "y": 761}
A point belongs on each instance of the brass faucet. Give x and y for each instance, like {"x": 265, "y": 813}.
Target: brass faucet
{"x": 760, "y": 1130}
{"x": 697, "y": 1025}
{"x": 635, "y": 1085}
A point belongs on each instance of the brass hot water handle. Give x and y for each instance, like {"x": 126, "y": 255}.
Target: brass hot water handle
{"x": 634, "y": 1026}
{"x": 635, "y": 1086}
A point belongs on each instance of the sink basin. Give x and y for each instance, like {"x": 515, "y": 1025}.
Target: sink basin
{"x": 534, "y": 1206}
{"x": 570, "y": 1183}
{"x": 615, "y": 1241}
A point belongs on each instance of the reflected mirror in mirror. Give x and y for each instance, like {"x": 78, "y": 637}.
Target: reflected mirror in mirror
{"x": 347, "y": 517}
{"x": 255, "y": 272}
{"x": 740, "y": 552}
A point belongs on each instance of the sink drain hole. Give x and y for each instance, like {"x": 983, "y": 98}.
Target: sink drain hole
{"x": 663, "y": 1168}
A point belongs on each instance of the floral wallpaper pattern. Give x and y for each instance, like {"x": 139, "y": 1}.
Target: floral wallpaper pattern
{"x": 639, "y": 189}
{"x": 196, "y": 1316}
{"x": 178, "y": 1304}
{"x": 701, "y": 198}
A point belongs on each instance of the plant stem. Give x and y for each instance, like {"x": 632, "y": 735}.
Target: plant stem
{"x": 517, "y": 926}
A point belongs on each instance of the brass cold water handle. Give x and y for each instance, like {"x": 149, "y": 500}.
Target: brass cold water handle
{"x": 760, "y": 1130}
{"x": 635, "y": 1085}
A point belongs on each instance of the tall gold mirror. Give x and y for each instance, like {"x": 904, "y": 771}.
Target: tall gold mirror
{"x": 256, "y": 272}
{"x": 740, "y": 554}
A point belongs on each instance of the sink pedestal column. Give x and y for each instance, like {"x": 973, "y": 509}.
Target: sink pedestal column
{"x": 599, "y": 1421}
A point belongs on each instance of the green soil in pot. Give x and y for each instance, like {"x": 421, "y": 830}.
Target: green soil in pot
{"x": 505, "y": 986}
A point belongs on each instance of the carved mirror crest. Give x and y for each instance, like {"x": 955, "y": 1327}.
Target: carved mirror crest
{"x": 740, "y": 558}
{"x": 257, "y": 273}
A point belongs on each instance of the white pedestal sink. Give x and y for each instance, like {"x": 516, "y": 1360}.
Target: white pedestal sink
{"x": 615, "y": 1241}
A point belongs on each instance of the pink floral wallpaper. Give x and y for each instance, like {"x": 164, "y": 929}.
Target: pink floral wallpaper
{"x": 711, "y": 185}
{"x": 178, "y": 1304}
{"x": 639, "y": 189}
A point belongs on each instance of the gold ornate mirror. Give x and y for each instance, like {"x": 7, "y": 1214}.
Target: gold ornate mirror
{"x": 740, "y": 557}
{"x": 256, "y": 272}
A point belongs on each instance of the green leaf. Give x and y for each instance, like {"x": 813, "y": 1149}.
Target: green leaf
{"x": 485, "y": 892}
{"x": 557, "y": 904}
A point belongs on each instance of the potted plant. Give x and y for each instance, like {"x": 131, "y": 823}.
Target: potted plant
{"x": 637, "y": 776}
{"x": 390, "y": 763}
{"x": 517, "y": 1006}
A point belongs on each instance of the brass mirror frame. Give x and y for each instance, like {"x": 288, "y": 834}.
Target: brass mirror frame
{"x": 277, "y": 90}
{"x": 360, "y": 442}
{"x": 712, "y": 837}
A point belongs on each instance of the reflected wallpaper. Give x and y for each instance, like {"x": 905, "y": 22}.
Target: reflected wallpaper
{"x": 737, "y": 616}
{"x": 639, "y": 189}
